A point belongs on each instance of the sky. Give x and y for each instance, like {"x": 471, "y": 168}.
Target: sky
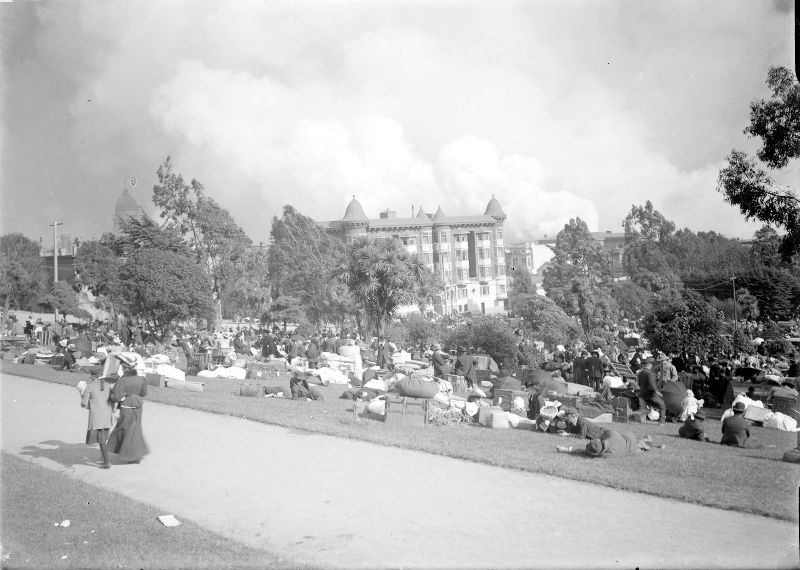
{"x": 559, "y": 109}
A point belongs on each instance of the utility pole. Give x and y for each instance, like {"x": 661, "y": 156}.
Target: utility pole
{"x": 55, "y": 225}
{"x": 735, "y": 315}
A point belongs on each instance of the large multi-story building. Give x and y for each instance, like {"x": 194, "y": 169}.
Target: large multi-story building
{"x": 466, "y": 252}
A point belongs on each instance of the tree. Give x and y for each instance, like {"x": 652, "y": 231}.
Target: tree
{"x": 745, "y": 184}
{"x": 302, "y": 259}
{"x": 286, "y": 310}
{"x": 21, "y": 274}
{"x": 647, "y": 234}
{"x": 633, "y": 301}
{"x": 97, "y": 266}
{"x": 487, "y": 335}
{"x": 218, "y": 243}
{"x": 521, "y": 284}
{"x": 250, "y": 294}
{"x": 61, "y": 298}
{"x": 163, "y": 287}
{"x": 766, "y": 247}
{"x": 545, "y": 320}
{"x": 579, "y": 277}
{"x": 683, "y": 322}
{"x": 382, "y": 276}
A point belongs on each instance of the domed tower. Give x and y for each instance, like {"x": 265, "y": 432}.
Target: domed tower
{"x": 494, "y": 210}
{"x": 355, "y": 221}
{"x": 126, "y": 207}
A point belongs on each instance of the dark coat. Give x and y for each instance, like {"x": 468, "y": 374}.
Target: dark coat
{"x": 465, "y": 366}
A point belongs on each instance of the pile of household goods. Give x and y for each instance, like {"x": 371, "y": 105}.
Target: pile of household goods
{"x": 411, "y": 395}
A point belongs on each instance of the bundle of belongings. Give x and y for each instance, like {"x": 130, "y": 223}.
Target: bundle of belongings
{"x": 757, "y": 413}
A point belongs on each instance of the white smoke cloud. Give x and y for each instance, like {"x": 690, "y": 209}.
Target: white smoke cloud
{"x": 559, "y": 113}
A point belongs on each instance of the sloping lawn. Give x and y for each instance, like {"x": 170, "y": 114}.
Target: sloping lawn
{"x": 106, "y": 530}
{"x": 752, "y": 481}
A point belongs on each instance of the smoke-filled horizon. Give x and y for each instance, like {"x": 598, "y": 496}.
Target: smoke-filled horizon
{"x": 559, "y": 110}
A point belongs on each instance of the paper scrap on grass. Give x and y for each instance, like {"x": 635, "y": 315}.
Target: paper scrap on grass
{"x": 169, "y": 520}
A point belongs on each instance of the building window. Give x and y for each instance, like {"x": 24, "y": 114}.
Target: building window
{"x": 426, "y": 257}
{"x": 448, "y": 276}
{"x": 426, "y": 239}
{"x": 462, "y": 274}
{"x": 460, "y": 238}
{"x": 481, "y": 253}
{"x": 444, "y": 257}
{"x": 462, "y": 293}
{"x": 501, "y": 289}
{"x": 498, "y": 234}
{"x": 483, "y": 236}
{"x": 482, "y": 271}
{"x": 485, "y": 290}
{"x": 501, "y": 253}
{"x": 408, "y": 240}
{"x": 528, "y": 261}
{"x": 501, "y": 270}
{"x": 462, "y": 255}
{"x": 443, "y": 237}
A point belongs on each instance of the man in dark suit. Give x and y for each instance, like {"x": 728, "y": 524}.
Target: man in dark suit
{"x": 440, "y": 361}
{"x": 648, "y": 390}
{"x": 594, "y": 370}
{"x": 465, "y": 366}
{"x": 736, "y": 429}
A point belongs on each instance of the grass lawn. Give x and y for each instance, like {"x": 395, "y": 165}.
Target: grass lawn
{"x": 752, "y": 481}
{"x": 106, "y": 530}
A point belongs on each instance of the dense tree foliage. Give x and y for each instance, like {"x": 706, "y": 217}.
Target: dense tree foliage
{"x": 579, "y": 277}
{"x": 22, "y": 277}
{"x": 249, "y": 296}
{"x": 216, "y": 240}
{"x": 163, "y": 287}
{"x": 682, "y": 322}
{"x": 302, "y": 259}
{"x": 382, "y": 276}
{"x": 633, "y": 300}
{"x": 746, "y": 184}
{"x": 487, "y": 335}
{"x": 543, "y": 320}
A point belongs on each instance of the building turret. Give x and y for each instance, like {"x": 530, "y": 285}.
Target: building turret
{"x": 494, "y": 210}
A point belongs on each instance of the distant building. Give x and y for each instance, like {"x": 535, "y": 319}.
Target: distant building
{"x": 466, "y": 252}
{"x": 126, "y": 207}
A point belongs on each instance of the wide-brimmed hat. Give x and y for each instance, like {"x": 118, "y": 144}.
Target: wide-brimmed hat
{"x": 125, "y": 359}
{"x": 594, "y": 448}
{"x": 739, "y": 407}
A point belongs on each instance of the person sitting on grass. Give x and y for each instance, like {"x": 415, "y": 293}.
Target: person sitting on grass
{"x": 612, "y": 443}
{"x": 736, "y": 430}
{"x": 581, "y": 427}
{"x": 693, "y": 427}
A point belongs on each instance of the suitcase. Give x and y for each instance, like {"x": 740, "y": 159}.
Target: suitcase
{"x": 251, "y": 390}
{"x": 622, "y": 409}
{"x": 406, "y": 411}
{"x": 154, "y": 379}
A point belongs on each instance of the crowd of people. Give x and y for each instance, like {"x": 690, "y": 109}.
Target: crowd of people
{"x": 710, "y": 377}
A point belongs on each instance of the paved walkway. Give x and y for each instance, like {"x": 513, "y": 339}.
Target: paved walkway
{"x": 296, "y": 495}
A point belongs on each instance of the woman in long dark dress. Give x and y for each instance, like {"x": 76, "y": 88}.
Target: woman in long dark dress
{"x": 127, "y": 440}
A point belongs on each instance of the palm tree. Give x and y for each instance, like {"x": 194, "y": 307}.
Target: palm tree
{"x": 382, "y": 276}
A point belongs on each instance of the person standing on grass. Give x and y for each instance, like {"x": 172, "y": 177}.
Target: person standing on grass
{"x": 465, "y": 366}
{"x": 736, "y": 430}
{"x": 97, "y": 398}
{"x": 648, "y": 392}
{"x": 127, "y": 440}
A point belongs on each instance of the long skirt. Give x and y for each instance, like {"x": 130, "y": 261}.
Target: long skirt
{"x": 126, "y": 439}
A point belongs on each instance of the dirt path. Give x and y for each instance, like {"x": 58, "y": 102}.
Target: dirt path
{"x": 299, "y": 495}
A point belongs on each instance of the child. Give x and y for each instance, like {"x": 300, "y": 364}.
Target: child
{"x": 96, "y": 397}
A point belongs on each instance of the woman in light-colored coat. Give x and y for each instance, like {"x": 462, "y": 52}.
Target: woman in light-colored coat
{"x": 96, "y": 397}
